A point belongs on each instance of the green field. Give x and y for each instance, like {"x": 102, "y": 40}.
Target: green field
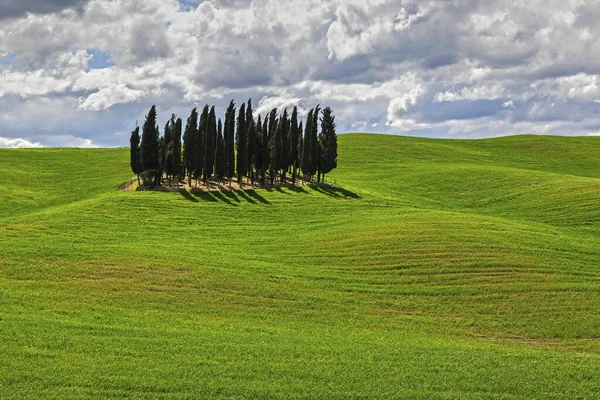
{"x": 436, "y": 269}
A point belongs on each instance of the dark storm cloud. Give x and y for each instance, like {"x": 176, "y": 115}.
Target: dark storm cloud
{"x": 18, "y": 8}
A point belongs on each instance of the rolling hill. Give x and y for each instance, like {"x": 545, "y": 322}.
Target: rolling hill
{"x": 434, "y": 269}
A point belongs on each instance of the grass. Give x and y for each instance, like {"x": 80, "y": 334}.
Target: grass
{"x": 436, "y": 269}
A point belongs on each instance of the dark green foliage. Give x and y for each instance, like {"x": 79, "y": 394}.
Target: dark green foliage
{"x": 314, "y": 142}
{"x": 307, "y": 145}
{"x": 252, "y": 150}
{"x": 276, "y": 149}
{"x": 167, "y": 152}
{"x": 265, "y": 162}
{"x": 209, "y": 145}
{"x": 285, "y": 145}
{"x": 293, "y": 144}
{"x": 229, "y": 140}
{"x": 220, "y": 159}
{"x": 134, "y": 153}
{"x": 190, "y": 140}
{"x": 251, "y": 140}
{"x": 300, "y": 145}
{"x": 273, "y": 121}
{"x": 328, "y": 143}
{"x": 200, "y": 149}
{"x": 162, "y": 151}
{"x": 274, "y": 144}
{"x": 176, "y": 150}
{"x": 257, "y": 160}
{"x": 242, "y": 144}
{"x": 150, "y": 156}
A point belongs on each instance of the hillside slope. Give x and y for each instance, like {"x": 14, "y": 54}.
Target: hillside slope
{"x": 435, "y": 269}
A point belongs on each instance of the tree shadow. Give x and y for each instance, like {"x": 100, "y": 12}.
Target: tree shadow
{"x": 188, "y": 196}
{"x": 206, "y": 196}
{"x": 334, "y": 191}
{"x": 219, "y": 195}
{"x": 231, "y": 195}
{"x": 243, "y": 195}
{"x": 252, "y": 193}
{"x": 298, "y": 189}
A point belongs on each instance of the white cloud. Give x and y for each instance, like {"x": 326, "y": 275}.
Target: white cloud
{"x": 396, "y": 66}
{"x": 483, "y": 92}
{"x": 17, "y": 143}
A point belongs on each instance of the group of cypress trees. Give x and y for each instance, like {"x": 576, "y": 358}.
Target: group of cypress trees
{"x": 270, "y": 148}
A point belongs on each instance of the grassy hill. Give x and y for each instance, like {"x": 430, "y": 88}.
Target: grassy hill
{"x": 437, "y": 269}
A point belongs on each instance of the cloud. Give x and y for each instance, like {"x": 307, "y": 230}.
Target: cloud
{"x": 90, "y": 69}
{"x": 17, "y": 143}
{"x": 18, "y": 8}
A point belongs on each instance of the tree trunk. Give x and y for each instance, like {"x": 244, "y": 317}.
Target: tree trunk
{"x": 295, "y": 171}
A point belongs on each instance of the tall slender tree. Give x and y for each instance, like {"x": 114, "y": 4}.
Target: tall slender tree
{"x": 242, "y": 144}
{"x": 167, "y": 164}
{"x": 176, "y": 151}
{"x": 200, "y": 149}
{"x": 284, "y": 158}
{"x": 220, "y": 162}
{"x": 190, "y": 139}
{"x": 265, "y": 162}
{"x": 276, "y": 149}
{"x": 314, "y": 142}
{"x": 150, "y": 146}
{"x": 306, "y": 147}
{"x": 257, "y": 160}
{"x": 251, "y": 130}
{"x": 134, "y": 153}
{"x": 300, "y": 146}
{"x": 293, "y": 144}
{"x": 328, "y": 142}
{"x": 210, "y": 146}
{"x": 229, "y": 139}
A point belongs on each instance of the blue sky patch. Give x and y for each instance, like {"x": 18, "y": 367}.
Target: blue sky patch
{"x": 189, "y": 4}
{"x": 100, "y": 59}
{"x": 8, "y": 60}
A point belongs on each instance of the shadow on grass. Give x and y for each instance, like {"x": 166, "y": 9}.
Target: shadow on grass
{"x": 252, "y": 196}
{"x": 334, "y": 191}
{"x": 188, "y": 196}
{"x": 252, "y": 193}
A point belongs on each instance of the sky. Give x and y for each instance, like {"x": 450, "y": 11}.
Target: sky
{"x": 82, "y": 73}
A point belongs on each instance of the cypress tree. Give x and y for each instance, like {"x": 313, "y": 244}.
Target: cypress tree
{"x": 251, "y": 150}
{"x": 202, "y": 127}
{"x": 168, "y": 147}
{"x": 307, "y": 145}
{"x": 176, "y": 151}
{"x": 190, "y": 138}
{"x": 264, "y": 156}
{"x": 293, "y": 145}
{"x": 314, "y": 143}
{"x": 300, "y": 144}
{"x": 150, "y": 146}
{"x": 220, "y": 161}
{"x": 251, "y": 129}
{"x": 328, "y": 143}
{"x": 258, "y": 160}
{"x": 285, "y": 146}
{"x": 162, "y": 151}
{"x": 276, "y": 150}
{"x": 273, "y": 122}
{"x": 228, "y": 138}
{"x": 134, "y": 153}
{"x": 209, "y": 145}
{"x": 242, "y": 144}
